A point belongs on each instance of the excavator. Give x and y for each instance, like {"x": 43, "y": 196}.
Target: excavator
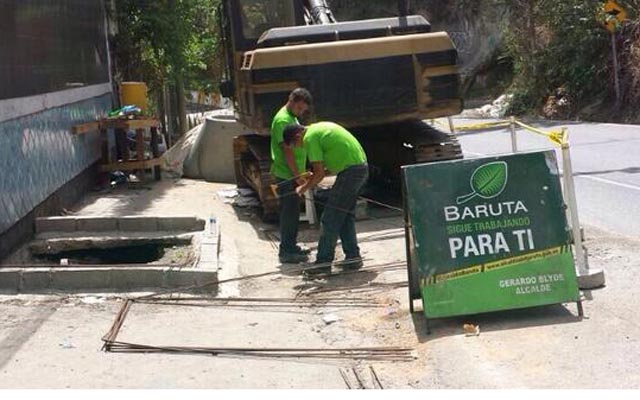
{"x": 379, "y": 78}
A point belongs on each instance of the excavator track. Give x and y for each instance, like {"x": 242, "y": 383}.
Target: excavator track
{"x": 391, "y": 146}
{"x": 252, "y": 164}
{"x": 388, "y": 148}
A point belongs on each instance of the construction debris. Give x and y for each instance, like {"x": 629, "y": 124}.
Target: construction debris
{"x": 471, "y": 330}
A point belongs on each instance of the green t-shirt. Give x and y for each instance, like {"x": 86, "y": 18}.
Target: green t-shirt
{"x": 279, "y": 167}
{"x": 333, "y": 145}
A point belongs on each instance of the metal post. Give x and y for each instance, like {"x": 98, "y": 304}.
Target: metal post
{"x": 309, "y": 208}
{"x": 616, "y": 72}
{"x": 514, "y": 137}
{"x": 586, "y": 279}
{"x": 452, "y": 127}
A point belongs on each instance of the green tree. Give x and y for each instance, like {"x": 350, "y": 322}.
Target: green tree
{"x": 169, "y": 42}
{"x": 560, "y": 45}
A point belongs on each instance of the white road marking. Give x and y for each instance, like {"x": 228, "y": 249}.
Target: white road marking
{"x": 594, "y": 178}
{"x": 610, "y": 182}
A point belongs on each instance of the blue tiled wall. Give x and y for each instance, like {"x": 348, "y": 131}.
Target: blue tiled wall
{"x": 39, "y": 154}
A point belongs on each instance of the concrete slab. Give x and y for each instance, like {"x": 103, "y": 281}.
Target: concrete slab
{"x": 130, "y": 279}
{"x": 81, "y": 279}
{"x": 96, "y": 224}
{"x": 9, "y": 280}
{"x": 102, "y": 279}
{"x": 35, "y": 280}
{"x": 186, "y": 278}
{"x": 138, "y": 224}
{"x": 180, "y": 224}
{"x": 55, "y": 224}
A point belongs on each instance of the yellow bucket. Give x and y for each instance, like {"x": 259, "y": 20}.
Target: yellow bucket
{"x": 134, "y": 93}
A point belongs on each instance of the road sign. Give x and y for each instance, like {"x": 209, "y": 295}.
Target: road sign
{"x": 614, "y": 15}
{"x": 487, "y": 234}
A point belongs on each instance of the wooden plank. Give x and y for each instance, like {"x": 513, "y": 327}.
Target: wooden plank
{"x": 85, "y": 128}
{"x": 131, "y": 165}
{"x": 133, "y": 124}
{"x": 155, "y": 152}
{"x": 122, "y": 144}
{"x": 139, "y": 144}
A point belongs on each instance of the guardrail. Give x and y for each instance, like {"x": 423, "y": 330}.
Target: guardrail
{"x": 587, "y": 278}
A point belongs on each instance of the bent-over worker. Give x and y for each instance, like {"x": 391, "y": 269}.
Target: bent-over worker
{"x": 330, "y": 146}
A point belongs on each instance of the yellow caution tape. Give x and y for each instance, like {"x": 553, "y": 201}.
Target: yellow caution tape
{"x": 475, "y": 127}
{"x": 558, "y": 137}
{"x": 482, "y": 125}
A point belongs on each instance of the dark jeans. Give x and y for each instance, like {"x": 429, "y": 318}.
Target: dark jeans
{"x": 338, "y": 218}
{"x": 289, "y": 215}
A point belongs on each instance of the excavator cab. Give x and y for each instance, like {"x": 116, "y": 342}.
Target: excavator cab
{"x": 360, "y": 72}
{"x": 380, "y": 78}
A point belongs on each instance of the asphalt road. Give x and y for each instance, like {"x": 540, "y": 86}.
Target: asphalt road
{"x": 605, "y": 163}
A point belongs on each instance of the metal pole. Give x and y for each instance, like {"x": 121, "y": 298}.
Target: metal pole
{"x": 583, "y": 267}
{"x": 616, "y": 77}
{"x": 452, "y": 127}
{"x": 514, "y": 137}
{"x": 309, "y": 207}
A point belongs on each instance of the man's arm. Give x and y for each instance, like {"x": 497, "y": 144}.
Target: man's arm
{"x": 318, "y": 176}
{"x": 288, "y": 156}
{"x": 291, "y": 163}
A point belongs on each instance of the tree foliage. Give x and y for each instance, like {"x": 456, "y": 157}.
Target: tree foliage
{"x": 159, "y": 41}
{"x": 559, "y": 46}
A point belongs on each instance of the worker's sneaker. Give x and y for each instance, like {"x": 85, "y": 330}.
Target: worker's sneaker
{"x": 293, "y": 258}
{"x": 352, "y": 263}
{"x": 316, "y": 269}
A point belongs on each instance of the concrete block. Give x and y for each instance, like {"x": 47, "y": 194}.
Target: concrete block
{"x": 181, "y": 224}
{"x": 187, "y": 278}
{"x": 123, "y": 279}
{"x": 138, "y": 224}
{"x": 96, "y": 224}
{"x": 81, "y": 279}
{"x": 55, "y": 224}
{"x": 35, "y": 280}
{"x": 209, "y": 252}
{"x": 9, "y": 280}
{"x": 594, "y": 279}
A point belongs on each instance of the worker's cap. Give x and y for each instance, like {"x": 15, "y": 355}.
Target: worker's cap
{"x": 290, "y": 132}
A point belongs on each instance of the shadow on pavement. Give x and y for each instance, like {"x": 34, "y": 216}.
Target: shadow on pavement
{"x": 495, "y": 321}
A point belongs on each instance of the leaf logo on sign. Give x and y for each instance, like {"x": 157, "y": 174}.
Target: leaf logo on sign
{"x": 487, "y": 181}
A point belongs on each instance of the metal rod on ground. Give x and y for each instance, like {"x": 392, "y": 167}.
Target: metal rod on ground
{"x": 381, "y": 353}
{"x": 252, "y": 305}
{"x": 374, "y": 377}
{"x": 249, "y": 300}
{"x": 48, "y": 266}
{"x": 514, "y": 136}
{"x": 360, "y": 383}
{"x": 240, "y": 278}
{"x": 110, "y": 336}
{"x": 586, "y": 279}
{"x": 381, "y": 204}
{"x": 345, "y": 378}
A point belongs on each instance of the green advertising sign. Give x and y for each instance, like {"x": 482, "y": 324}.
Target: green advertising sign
{"x": 487, "y": 234}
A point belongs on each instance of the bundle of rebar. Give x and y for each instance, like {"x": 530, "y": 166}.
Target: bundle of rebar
{"x": 351, "y": 353}
{"x": 269, "y": 302}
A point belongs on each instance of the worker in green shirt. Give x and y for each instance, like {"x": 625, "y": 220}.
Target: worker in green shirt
{"x": 288, "y": 165}
{"x": 330, "y": 146}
